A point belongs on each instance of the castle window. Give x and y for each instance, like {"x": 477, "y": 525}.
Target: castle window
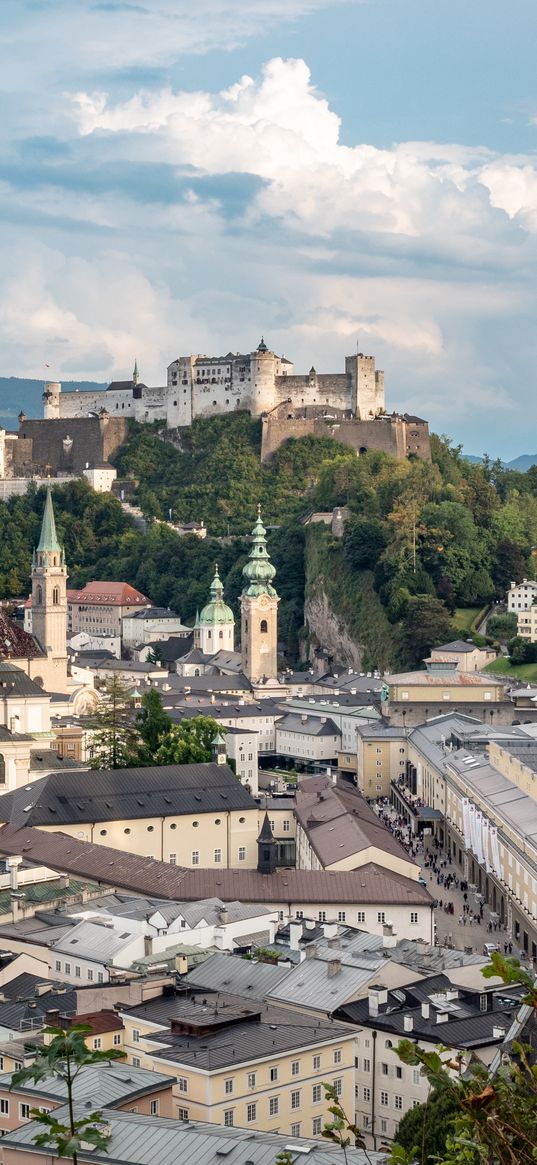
{"x": 214, "y": 402}
{"x": 39, "y": 595}
{"x": 56, "y": 596}
{"x": 263, "y": 627}
{"x": 175, "y": 403}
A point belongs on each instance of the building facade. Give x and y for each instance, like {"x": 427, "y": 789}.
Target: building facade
{"x": 259, "y": 611}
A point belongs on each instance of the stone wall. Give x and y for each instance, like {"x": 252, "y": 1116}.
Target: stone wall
{"x": 67, "y": 445}
{"x": 400, "y": 436}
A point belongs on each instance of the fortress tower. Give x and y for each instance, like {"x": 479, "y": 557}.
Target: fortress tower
{"x": 49, "y": 601}
{"x": 259, "y": 611}
{"x": 215, "y": 628}
{"x": 51, "y": 400}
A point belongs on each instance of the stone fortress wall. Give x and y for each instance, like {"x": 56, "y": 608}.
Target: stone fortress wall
{"x": 86, "y": 427}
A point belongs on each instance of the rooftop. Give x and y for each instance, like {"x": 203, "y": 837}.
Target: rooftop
{"x": 339, "y": 822}
{"x": 106, "y": 1084}
{"x": 115, "y": 594}
{"x": 308, "y": 725}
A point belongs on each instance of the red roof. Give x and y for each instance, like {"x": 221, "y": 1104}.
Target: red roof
{"x": 16, "y": 643}
{"x": 116, "y": 594}
{"x": 99, "y": 1021}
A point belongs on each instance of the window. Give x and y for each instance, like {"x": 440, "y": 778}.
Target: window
{"x": 416, "y": 1075}
{"x": 251, "y": 1112}
{"x": 251, "y": 1080}
{"x": 195, "y": 857}
{"x": 117, "y": 1039}
{"x": 153, "y": 1108}
{"x": 4, "y": 1107}
{"x": 218, "y": 856}
{"x": 228, "y": 1117}
{"x": 316, "y": 1063}
{"x": 24, "y": 1111}
{"x": 135, "y": 1035}
{"x": 97, "y": 1043}
{"x": 337, "y": 1056}
{"x": 317, "y": 1126}
{"x": 398, "y": 1072}
{"x": 182, "y": 1084}
{"x": 384, "y": 1098}
{"x": 286, "y": 826}
{"x": 295, "y": 1068}
{"x": 228, "y": 1086}
{"x": 173, "y": 859}
{"x": 398, "y": 1102}
{"x": 360, "y": 915}
{"x": 58, "y": 965}
{"x": 322, "y": 916}
{"x": 415, "y": 1102}
{"x": 385, "y": 1070}
{"x": 381, "y": 916}
{"x": 182, "y": 1114}
{"x": 341, "y": 916}
{"x": 56, "y": 599}
{"x": 67, "y": 968}
{"x": 263, "y": 627}
{"x": 90, "y": 975}
{"x": 136, "y": 1061}
{"x": 338, "y": 1086}
{"x": 295, "y": 1130}
{"x": 384, "y": 1126}
{"x": 242, "y": 853}
{"x": 316, "y": 1094}
{"x": 367, "y": 1093}
{"x": 295, "y": 1099}
{"x": 274, "y": 1106}
{"x": 100, "y": 976}
{"x": 273, "y": 1073}
{"x": 367, "y": 1065}
{"x": 482, "y": 1003}
{"x": 413, "y": 916}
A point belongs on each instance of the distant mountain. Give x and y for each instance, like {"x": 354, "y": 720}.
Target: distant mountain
{"x": 18, "y": 393}
{"x": 522, "y": 463}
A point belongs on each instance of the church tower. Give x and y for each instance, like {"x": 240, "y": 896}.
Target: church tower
{"x": 259, "y": 611}
{"x": 214, "y": 629}
{"x": 49, "y": 600}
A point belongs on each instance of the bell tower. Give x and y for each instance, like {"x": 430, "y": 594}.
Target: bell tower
{"x": 49, "y": 599}
{"x": 259, "y": 611}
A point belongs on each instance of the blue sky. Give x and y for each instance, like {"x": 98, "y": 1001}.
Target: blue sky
{"x": 179, "y": 177}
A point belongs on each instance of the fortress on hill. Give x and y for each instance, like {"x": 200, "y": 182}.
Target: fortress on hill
{"x": 84, "y": 427}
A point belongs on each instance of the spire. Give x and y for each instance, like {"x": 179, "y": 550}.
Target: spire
{"x": 217, "y": 586}
{"x": 266, "y": 830}
{"x": 135, "y": 374}
{"x": 259, "y": 570}
{"x": 49, "y": 538}
{"x": 262, "y": 347}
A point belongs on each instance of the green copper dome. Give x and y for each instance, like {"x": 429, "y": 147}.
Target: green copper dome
{"x": 259, "y": 570}
{"x": 216, "y": 611}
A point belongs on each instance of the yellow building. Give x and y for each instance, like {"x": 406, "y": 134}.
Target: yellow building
{"x": 409, "y": 698}
{"x": 381, "y": 755}
{"x": 240, "y": 1062}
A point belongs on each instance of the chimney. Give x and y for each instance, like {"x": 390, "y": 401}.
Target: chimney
{"x": 52, "y": 1017}
{"x": 442, "y": 1017}
{"x": 333, "y": 968}
{"x": 311, "y": 950}
{"x": 16, "y": 905}
{"x": 296, "y": 931}
{"x": 224, "y": 915}
{"x": 13, "y": 864}
{"x": 389, "y": 938}
{"x": 425, "y": 1008}
{"x": 377, "y": 997}
{"x": 330, "y": 929}
{"x": 333, "y": 943}
{"x": 408, "y": 1023}
{"x": 148, "y": 944}
{"x": 498, "y": 1033}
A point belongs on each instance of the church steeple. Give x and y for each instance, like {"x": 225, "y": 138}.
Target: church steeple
{"x": 215, "y": 628}
{"x": 135, "y": 374}
{"x": 259, "y": 610}
{"x": 49, "y": 600}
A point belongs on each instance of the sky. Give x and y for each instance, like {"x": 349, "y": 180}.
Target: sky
{"x": 181, "y": 177}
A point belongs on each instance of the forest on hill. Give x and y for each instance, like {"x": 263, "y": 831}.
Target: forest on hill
{"x": 421, "y": 540}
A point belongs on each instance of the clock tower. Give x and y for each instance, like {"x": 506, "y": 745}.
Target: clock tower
{"x": 259, "y": 611}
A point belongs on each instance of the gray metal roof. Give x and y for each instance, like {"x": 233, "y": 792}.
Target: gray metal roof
{"x": 117, "y": 794}
{"x": 308, "y": 725}
{"x": 142, "y": 1140}
{"x": 505, "y": 799}
{"x": 237, "y": 976}
{"x": 106, "y": 1084}
{"x": 92, "y": 940}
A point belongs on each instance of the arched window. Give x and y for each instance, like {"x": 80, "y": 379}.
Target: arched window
{"x": 2, "y": 769}
{"x": 263, "y": 627}
{"x": 39, "y": 595}
{"x": 56, "y": 596}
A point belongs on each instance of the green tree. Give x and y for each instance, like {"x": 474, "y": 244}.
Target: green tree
{"x": 153, "y": 724}
{"x": 424, "y": 1130}
{"x": 189, "y": 742}
{"x": 65, "y": 1057}
{"x": 115, "y": 737}
{"x": 502, "y": 627}
{"x": 426, "y": 624}
{"x": 363, "y": 542}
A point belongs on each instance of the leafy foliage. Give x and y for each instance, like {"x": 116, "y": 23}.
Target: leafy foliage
{"x": 114, "y": 735}
{"x": 189, "y": 742}
{"x": 65, "y": 1057}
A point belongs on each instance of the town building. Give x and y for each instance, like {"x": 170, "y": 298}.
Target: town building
{"x": 521, "y": 596}
{"x": 132, "y": 1138}
{"x": 239, "y": 1061}
{"x": 150, "y": 625}
{"x": 409, "y": 698}
{"x": 100, "y": 607}
{"x": 315, "y": 740}
{"x": 214, "y": 629}
{"x": 466, "y": 1022}
{"x": 464, "y": 654}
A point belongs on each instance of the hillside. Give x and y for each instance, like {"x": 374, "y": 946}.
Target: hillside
{"x": 421, "y": 542}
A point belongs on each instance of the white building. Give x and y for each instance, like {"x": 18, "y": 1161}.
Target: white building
{"x": 521, "y": 596}
{"x": 314, "y": 738}
{"x": 150, "y": 625}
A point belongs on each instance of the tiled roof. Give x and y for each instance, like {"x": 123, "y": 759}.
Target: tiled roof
{"x": 16, "y": 643}
{"x": 111, "y": 867}
{"x": 339, "y": 822}
{"x": 115, "y": 594}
